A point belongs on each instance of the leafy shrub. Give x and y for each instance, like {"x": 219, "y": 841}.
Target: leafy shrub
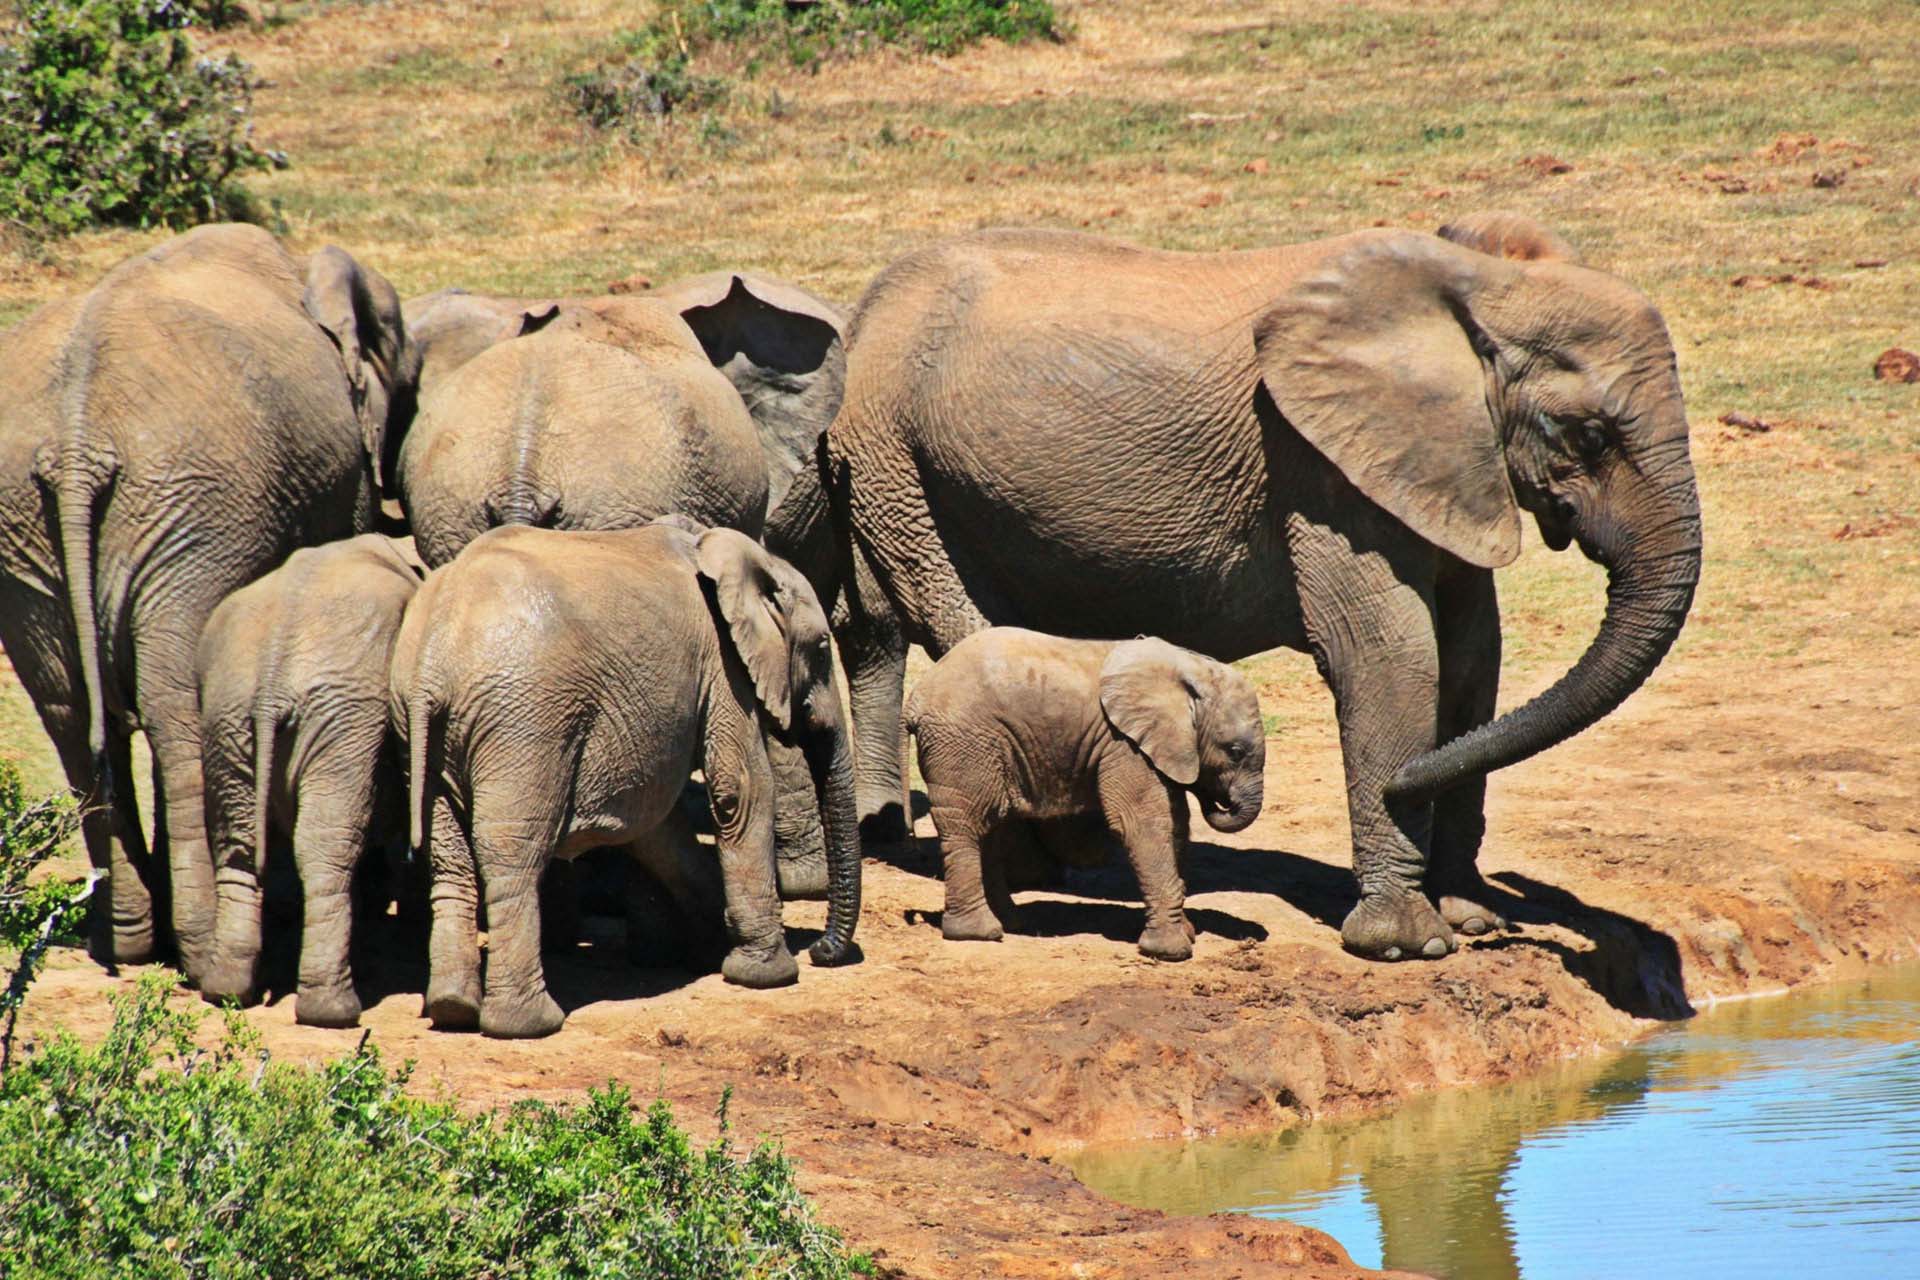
{"x": 656, "y": 77}
{"x": 33, "y": 914}
{"x": 146, "y": 1156}
{"x": 106, "y": 115}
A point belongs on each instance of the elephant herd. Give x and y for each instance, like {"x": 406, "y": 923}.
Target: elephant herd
{"x": 632, "y": 529}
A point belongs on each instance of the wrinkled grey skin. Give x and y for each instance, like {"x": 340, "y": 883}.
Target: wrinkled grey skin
{"x": 1324, "y": 446}
{"x": 166, "y": 438}
{"x": 557, "y": 688}
{"x": 603, "y": 413}
{"x": 1015, "y": 725}
{"x": 298, "y": 756}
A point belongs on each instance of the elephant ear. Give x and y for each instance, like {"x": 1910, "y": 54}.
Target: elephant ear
{"x": 1375, "y": 359}
{"x": 783, "y": 349}
{"x": 748, "y": 593}
{"x": 1149, "y": 697}
{"x": 531, "y": 320}
{"x": 356, "y": 308}
{"x": 1504, "y": 234}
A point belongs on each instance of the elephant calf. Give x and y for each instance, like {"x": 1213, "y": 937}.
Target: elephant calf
{"x": 293, "y": 710}
{"x": 1013, "y": 724}
{"x": 557, "y": 688}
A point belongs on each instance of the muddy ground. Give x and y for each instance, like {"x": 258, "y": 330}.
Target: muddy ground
{"x": 1733, "y": 831}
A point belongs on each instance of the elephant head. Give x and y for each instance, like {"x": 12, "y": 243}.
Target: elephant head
{"x": 783, "y": 349}
{"x": 360, "y": 312}
{"x": 1196, "y": 720}
{"x": 1455, "y": 389}
{"x": 778, "y": 630}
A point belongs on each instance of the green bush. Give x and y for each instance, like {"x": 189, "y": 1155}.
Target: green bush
{"x": 656, "y": 76}
{"x": 107, "y": 116}
{"x": 148, "y": 1157}
{"x": 34, "y": 914}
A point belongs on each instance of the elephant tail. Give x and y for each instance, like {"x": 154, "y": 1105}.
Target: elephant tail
{"x": 83, "y": 477}
{"x": 419, "y": 725}
{"x": 266, "y": 728}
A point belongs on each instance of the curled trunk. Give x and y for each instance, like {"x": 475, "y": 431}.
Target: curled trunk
{"x": 1652, "y": 572}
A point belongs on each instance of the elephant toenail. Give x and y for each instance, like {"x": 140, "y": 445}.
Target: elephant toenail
{"x": 1393, "y": 953}
{"x": 1472, "y": 928}
{"x": 1435, "y": 947}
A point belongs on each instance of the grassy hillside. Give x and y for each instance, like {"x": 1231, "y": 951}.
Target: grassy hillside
{"x": 1754, "y": 166}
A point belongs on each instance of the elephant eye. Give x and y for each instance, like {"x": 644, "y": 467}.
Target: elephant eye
{"x": 1588, "y": 438}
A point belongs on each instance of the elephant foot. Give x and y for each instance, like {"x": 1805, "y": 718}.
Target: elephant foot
{"x": 453, "y": 1005}
{"x": 885, "y": 825}
{"x": 1402, "y": 926}
{"x": 760, "y": 970}
{"x": 226, "y": 981}
{"x": 803, "y": 877}
{"x": 326, "y": 1008}
{"x": 1172, "y": 940}
{"x": 977, "y": 925}
{"x": 132, "y": 943}
{"x": 1469, "y": 917}
{"x": 520, "y": 1017}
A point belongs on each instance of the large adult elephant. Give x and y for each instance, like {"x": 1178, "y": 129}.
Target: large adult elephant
{"x": 166, "y": 438}
{"x": 707, "y": 398}
{"x": 1323, "y": 446}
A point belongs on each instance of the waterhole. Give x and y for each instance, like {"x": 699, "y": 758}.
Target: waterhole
{"x": 1766, "y": 1137}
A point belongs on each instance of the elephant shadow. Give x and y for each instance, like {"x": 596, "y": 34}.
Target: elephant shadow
{"x": 1631, "y": 965}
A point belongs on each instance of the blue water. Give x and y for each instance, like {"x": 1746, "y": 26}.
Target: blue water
{"x": 1774, "y": 1137}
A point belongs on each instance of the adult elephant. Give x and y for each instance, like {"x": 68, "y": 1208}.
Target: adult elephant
{"x": 1323, "y": 446}
{"x": 166, "y": 438}
{"x": 708, "y": 399}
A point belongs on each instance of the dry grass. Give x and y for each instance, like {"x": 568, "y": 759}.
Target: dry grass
{"x": 430, "y": 139}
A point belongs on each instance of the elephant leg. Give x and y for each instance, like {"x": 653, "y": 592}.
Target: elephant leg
{"x": 233, "y": 969}
{"x": 36, "y": 633}
{"x": 512, "y": 855}
{"x": 799, "y": 839}
{"x": 676, "y": 900}
{"x": 1467, "y": 613}
{"x": 739, "y": 788}
{"x": 1369, "y": 620}
{"x": 875, "y": 655}
{"x": 123, "y": 926}
{"x": 1150, "y": 820}
{"x": 998, "y": 848}
{"x": 329, "y": 839}
{"x": 453, "y": 946}
{"x": 964, "y": 837}
{"x": 169, "y": 708}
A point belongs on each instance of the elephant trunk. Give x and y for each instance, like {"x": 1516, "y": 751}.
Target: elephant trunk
{"x": 1653, "y": 565}
{"x": 1237, "y": 814}
{"x": 832, "y": 764}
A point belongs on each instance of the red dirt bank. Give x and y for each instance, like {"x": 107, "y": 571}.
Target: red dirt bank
{"x": 1709, "y": 840}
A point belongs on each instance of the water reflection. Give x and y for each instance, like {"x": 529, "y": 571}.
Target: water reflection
{"x": 1767, "y": 1137}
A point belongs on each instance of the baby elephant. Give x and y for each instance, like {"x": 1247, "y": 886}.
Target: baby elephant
{"x": 1014, "y": 725}
{"x": 293, "y": 710}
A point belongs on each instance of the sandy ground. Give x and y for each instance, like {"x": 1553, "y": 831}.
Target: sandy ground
{"x": 1732, "y": 831}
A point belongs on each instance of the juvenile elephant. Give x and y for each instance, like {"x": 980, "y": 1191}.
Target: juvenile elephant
{"x": 166, "y": 438}
{"x": 557, "y": 688}
{"x": 1324, "y": 446}
{"x": 1013, "y": 724}
{"x": 707, "y": 398}
{"x": 298, "y": 755}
